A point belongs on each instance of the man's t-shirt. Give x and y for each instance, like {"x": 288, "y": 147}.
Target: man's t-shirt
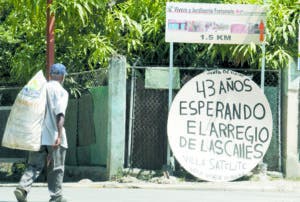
{"x": 57, "y": 101}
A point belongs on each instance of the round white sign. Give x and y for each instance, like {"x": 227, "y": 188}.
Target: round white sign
{"x": 219, "y": 125}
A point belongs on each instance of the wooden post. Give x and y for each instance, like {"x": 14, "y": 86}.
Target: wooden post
{"x": 50, "y": 39}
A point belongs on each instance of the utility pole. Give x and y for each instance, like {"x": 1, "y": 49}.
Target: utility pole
{"x": 50, "y": 39}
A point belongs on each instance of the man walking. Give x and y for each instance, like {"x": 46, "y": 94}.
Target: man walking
{"x": 54, "y": 141}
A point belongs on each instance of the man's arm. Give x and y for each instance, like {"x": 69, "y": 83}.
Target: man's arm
{"x": 60, "y": 120}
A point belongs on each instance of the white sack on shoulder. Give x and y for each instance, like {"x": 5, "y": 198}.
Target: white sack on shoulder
{"x": 24, "y": 124}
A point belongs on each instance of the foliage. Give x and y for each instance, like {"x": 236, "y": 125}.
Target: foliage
{"x": 283, "y": 30}
{"x": 25, "y": 40}
{"x": 88, "y": 32}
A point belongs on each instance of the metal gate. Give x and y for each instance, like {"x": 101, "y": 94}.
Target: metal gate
{"x": 147, "y": 126}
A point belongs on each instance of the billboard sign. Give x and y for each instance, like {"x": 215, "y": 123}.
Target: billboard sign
{"x": 219, "y": 125}
{"x": 214, "y": 23}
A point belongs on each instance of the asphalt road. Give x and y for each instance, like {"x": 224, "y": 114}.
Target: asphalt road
{"x": 84, "y": 194}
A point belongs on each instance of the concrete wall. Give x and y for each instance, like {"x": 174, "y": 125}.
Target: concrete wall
{"x": 290, "y": 120}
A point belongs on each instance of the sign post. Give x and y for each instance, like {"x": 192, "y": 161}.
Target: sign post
{"x": 213, "y": 24}
{"x": 171, "y": 74}
{"x": 170, "y": 97}
{"x": 263, "y": 47}
{"x": 263, "y": 64}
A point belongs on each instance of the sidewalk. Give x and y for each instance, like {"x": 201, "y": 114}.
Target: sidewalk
{"x": 264, "y": 186}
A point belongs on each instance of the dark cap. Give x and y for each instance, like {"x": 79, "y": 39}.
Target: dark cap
{"x": 58, "y": 69}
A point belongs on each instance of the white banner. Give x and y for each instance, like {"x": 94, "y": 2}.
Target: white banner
{"x": 215, "y": 23}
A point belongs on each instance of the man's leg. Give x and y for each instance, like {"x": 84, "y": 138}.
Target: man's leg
{"x": 56, "y": 172}
{"x": 35, "y": 165}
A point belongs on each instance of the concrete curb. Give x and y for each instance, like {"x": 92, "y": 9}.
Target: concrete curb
{"x": 265, "y": 186}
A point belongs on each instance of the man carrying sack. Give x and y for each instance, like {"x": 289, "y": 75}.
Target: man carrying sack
{"x": 53, "y": 141}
